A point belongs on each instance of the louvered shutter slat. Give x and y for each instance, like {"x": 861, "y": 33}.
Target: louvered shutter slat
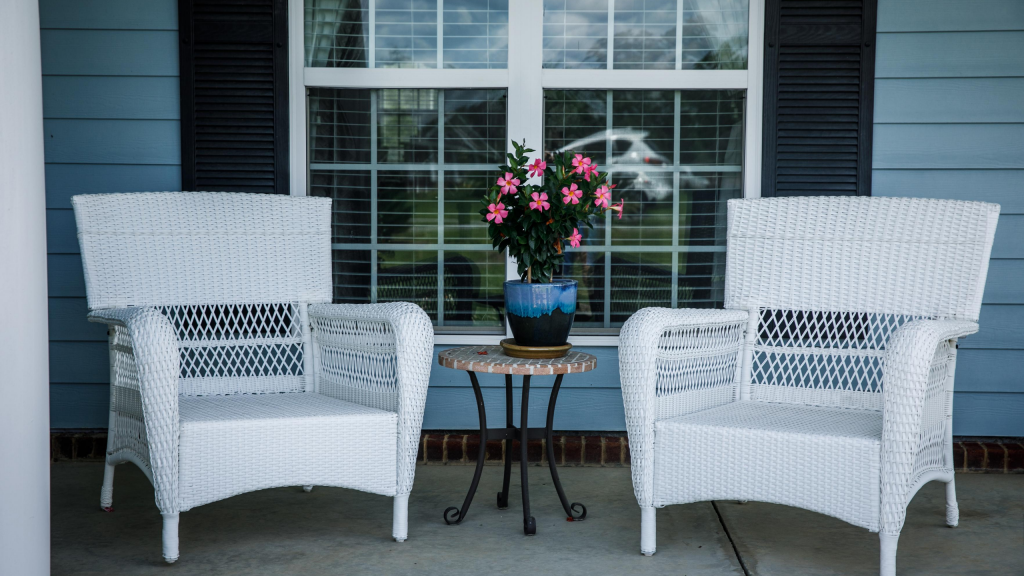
{"x": 819, "y": 80}
{"x": 234, "y": 95}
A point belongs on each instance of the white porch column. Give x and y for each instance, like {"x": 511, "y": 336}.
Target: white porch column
{"x": 24, "y": 371}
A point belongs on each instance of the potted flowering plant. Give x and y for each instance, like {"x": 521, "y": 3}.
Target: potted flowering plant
{"x": 534, "y": 220}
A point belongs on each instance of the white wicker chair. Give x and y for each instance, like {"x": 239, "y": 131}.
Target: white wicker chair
{"x": 827, "y": 382}
{"x": 230, "y": 370}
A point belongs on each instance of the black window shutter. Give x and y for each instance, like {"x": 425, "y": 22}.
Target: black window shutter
{"x": 819, "y": 77}
{"x": 234, "y": 95}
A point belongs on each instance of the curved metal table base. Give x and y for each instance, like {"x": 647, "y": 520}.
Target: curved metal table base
{"x": 575, "y": 512}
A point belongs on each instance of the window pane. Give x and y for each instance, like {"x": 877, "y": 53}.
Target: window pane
{"x": 408, "y": 276}
{"x": 462, "y": 194}
{"x": 575, "y": 33}
{"x": 337, "y": 33}
{"x": 714, "y": 34}
{"x": 404, "y": 33}
{"x": 407, "y": 126}
{"x": 474, "y": 126}
{"x": 340, "y": 126}
{"x": 473, "y": 291}
{"x": 576, "y": 120}
{"x": 675, "y": 157}
{"x": 407, "y": 207}
{"x": 646, "y": 34}
{"x": 405, "y": 218}
{"x": 475, "y": 33}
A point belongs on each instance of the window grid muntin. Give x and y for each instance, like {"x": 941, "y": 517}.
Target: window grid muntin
{"x": 699, "y": 42}
{"x": 385, "y": 252}
{"x": 528, "y": 14}
{"x": 676, "y": 264}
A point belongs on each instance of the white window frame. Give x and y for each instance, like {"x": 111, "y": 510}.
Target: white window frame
{"x": 525, "y": 80}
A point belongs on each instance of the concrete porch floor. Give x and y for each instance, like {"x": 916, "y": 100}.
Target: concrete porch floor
{"x": 335, "y": 531}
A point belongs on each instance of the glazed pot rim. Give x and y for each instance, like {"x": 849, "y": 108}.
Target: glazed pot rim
{"x": 558, "y": 282}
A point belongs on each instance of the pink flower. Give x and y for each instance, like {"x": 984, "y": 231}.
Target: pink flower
{"x": 589, "y": 171}
{"x": 571, "y": 194}
{"x": 619, "y": 207}
{"x": 537, "y": 168}
{"x": 604, "y": 196}
{"x": 574, "y": 240}
{"x": 497, "y": 213}
{"x": 508, "y": 183}
{"x": 582, "y": 164}
{"x": 540, "y": 201}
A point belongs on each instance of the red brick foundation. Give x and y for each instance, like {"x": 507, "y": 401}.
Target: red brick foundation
{"x": 970, "y": 455}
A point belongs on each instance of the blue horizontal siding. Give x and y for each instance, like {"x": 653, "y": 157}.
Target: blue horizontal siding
{"x": 950, "y": 100}
{"x": 949, "y": 123}
{"x": 988, "y": 414}
{"x": 64, "y": 274}
{"x": 113, "y": 141}
{"x": 61, "y": 233}
{"x": 79, "y": 405}
{"x": 109, "y": 14}
{"x": 79, "y": 363}
{"x": 112, "y": 97}
{"x": 1005, "y": 283}
{"x": 1004, "y": 187}
{"x": 109, "y": 52}
{"x": 68, "y": 322}
{"x": 949, "y": 15}
{"x": 65, "y": 180}
{"x": 949, "y": 55}
{"x": 946, "y": 146}
{"x": 981, "y": 370}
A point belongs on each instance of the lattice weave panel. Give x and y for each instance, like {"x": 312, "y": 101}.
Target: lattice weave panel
{"x": 696, "y": 367}
{"x": 239, "y": 349}
{"x": 129, "y": 430}
{"x": 358, "y": 361}
{"x": 821, "y": 358}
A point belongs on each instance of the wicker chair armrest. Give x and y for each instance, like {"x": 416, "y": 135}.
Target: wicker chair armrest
{"x": 907, "y": 366}
{"x": 414, "y": 342}
{"x": 638, "y": 357}
{"x": 154, "y": 346}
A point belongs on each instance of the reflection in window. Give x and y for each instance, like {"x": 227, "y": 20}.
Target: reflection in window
{"x": 406, "y": 33}
{"x": 646, "y": 34}
{"x": 675, "y": 157}
{"x": 405, "y": 221}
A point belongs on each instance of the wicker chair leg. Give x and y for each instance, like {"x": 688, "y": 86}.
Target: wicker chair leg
{"x": 170, "y": 537}
{"x": 307, "y": 488}
{"x": 888, "y": 556}
{"x": 400, "y": 523}
{"x": 952, "y": 511}
{"x": 107, "y": 491}
{"x": 648, "y": 533}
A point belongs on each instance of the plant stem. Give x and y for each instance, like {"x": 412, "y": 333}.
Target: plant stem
{"x": 529, "y": 278}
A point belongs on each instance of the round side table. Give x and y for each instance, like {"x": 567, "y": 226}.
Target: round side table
{"x": 492, "y": 360}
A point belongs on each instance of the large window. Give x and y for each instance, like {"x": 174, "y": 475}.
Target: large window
{"x": 409, "y": 106}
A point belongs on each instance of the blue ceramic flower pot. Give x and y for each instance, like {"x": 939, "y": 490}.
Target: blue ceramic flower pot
{"x": 540, "y": 314}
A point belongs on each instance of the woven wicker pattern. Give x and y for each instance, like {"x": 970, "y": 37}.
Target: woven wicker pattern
{"x": 840, "y": 330}
{"x": 172, "y": 248}
{"x": 229, "y": 370}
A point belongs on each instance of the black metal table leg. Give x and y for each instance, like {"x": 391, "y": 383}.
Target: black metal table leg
{"x": 569, "y": 509}
{"x": 523, "y": 433}
{"x": 503, "y": 495}
{"x": 453, "y": 515}
{"x": 529, "y": 524}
